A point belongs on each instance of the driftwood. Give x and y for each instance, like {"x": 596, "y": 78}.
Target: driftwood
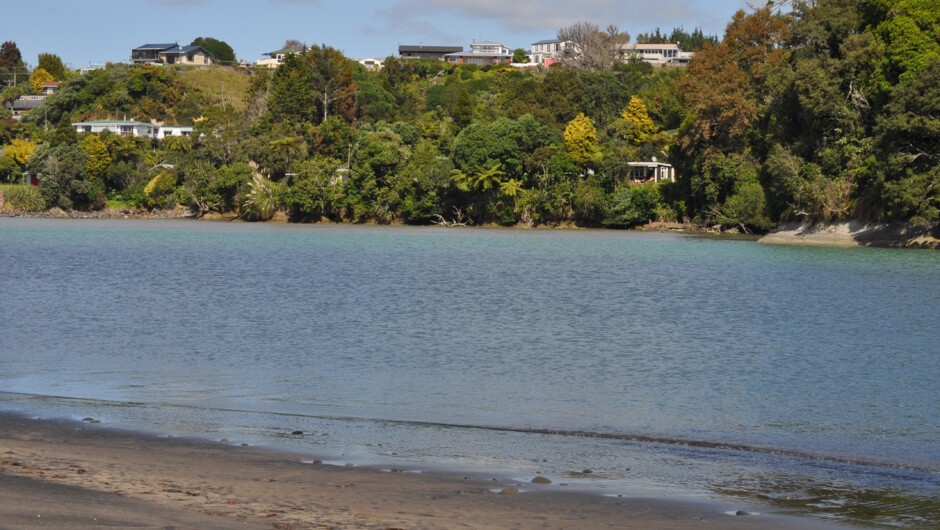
{"x": 459, "y": 219}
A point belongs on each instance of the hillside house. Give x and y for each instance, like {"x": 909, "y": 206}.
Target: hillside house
{"x": 133, "y": 128}
{"x": 657, "y": 54}
{"x": 482, "y": 53}
{"x": 420, "y": 51}
{"x": 171, "y": 54}
{"x": 547, "y": 52}
{"x": 276, "y": 57}
{"x": 652, "y": 171}
{"x": 23, "y": 104}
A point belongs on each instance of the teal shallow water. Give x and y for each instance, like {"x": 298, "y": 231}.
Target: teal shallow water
{"x": 807, "y": 377}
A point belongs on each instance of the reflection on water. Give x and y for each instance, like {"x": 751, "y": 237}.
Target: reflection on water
{"x": 805, "y": 377}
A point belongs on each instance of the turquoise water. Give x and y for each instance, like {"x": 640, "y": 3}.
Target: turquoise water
{"x": 806, "y": 378}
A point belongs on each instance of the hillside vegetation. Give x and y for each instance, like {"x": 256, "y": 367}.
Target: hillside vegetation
{"x": 828, "y": 112}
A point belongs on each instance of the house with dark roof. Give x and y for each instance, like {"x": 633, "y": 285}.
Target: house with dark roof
{"x": 481, "y": 53}
{"x": 23, "y": 104}
{"x": 420, "y": 51}
{"x": 171, "y": 54}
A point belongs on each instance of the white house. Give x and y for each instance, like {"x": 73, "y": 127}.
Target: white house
{"x": 657, "y": 54}
{"x": 651, "y": 171}
{"x": 133, "y": 128}
{"x": 174, "y": 130}
{"x": 547, "y": 52}
{"x": 482, "y": 53}
{"x": 372, "y": 63}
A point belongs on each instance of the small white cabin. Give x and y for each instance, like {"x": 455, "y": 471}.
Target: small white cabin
{"x": 651, "y": 171}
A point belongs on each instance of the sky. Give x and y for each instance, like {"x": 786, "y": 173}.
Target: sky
{"x": 83, "y": 32}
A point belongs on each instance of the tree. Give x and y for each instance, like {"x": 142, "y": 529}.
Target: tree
{"x": 519, "y": 56}
{"x": 641, "y": 126}
{"x": 332, "y": 82}
{"x": 53, "y": 64}
{"x": 11, "y": 64}
{"x": 592, "y": 49}
{"x": 291, "y": 98}
{"x": 10, "y": 56}
{"x": 220, "y": 50}
{"x": 581, "y": 140}
{"x": 19, "y": 151}
{"x": 38, "y": 78}
{"x": 288, "y": 148}
{"x": 97, "y": 158}
{"x": 64, "y": 133}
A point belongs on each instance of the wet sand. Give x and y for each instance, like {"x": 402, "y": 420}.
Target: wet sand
{"x": 66, "y": 474}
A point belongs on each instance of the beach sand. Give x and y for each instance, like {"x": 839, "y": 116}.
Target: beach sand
{"x": 856, "y": 234}
{"x": 67, "y": 474}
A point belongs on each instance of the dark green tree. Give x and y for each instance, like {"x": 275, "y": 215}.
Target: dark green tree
{"x": 52, "y": 63}
{"x": 220, "y": 50}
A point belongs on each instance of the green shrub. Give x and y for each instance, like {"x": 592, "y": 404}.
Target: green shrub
{"x": 632, "y": 205}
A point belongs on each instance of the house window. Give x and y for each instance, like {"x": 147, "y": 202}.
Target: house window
{"x": 86, "y": 128}
{"x": 126, "y": 129}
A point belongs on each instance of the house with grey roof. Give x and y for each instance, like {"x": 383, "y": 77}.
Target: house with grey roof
{"x": 548, "y": 51}
{"x": 171, "y": 54}
{"x": 23, "y": 104}
{"x": 276, "y": 57}
{"x": 420, "y": 51}
{"x": 482, "y": 53}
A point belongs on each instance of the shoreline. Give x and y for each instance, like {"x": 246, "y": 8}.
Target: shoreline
{"x": 836, "y": 234}
{"x": 81, "y": 471}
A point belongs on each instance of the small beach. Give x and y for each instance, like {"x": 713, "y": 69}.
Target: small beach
{"x": 58, "y": 474}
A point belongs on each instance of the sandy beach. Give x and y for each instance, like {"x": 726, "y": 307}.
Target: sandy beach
{"x": 856, "y": 234}
{"x": 67, "y": 474}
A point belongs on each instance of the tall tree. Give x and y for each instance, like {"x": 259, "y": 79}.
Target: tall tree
{"x": 219, "y": 49}
{"x": 291, "y": 97}
{"x": 332, "y": 82}
{"x": 10, "y": 55}
{"x": 12, "y": 68}
{"x": 52, "y": 63}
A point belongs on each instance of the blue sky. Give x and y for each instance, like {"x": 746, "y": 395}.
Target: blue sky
{"x": 97, "y": 31}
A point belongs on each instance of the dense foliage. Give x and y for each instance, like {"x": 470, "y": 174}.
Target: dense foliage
{"x": 831, "y": 111}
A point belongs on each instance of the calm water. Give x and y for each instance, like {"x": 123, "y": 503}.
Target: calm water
{"x": 806, "y": 378}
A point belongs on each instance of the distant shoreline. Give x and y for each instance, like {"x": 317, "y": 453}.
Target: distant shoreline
{"x": 836, "y": 234}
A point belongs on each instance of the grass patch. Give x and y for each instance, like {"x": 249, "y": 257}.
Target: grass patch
{"x": 120, "y": 204}
{"x": 219, "y": 84}
{"x": 7, "y": 188}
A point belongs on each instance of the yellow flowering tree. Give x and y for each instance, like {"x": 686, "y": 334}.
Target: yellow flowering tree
{"x": 38, "y": 77}
{"x": 640, "y": 126}
{"x": 581, "y": 140}
{"x": 97, "y": 158}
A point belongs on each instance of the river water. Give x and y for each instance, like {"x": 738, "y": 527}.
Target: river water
{"x": 803, "y": 379}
